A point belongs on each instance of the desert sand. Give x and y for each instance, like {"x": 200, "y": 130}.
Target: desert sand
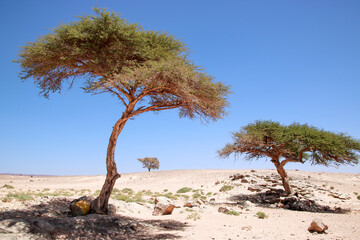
{"x": 36, "y": 207}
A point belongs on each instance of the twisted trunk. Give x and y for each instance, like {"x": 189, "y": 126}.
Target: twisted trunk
{"x": 100, "y": 204}
{"x": 284, "y": 177}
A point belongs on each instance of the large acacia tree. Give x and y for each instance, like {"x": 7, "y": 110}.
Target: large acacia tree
{"x": 292, "y": 143}
{"x": 145, "y": 70}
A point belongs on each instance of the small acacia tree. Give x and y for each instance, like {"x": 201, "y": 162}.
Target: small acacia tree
{"x": 145, "y": 70}
{"x": 293, "y": 143}
{"x": 150, "y": 163}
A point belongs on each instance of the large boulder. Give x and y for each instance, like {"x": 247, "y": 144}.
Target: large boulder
{"x": 80, "y": 206}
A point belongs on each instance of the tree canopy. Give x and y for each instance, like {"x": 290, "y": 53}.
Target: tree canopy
{"x": 145, "y": 70}
{"x": 135, "y": 65}
{"x": 293, "y": 143}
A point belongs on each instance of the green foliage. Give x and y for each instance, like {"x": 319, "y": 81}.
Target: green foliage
{"x": 171, "y": 196}
{"x": 128, "y": 191}
{"x": 226, "y": 188}
{"x": 184, "y": 190}
{"x": 128, "y": 195}
{"x": 358, "y": 197}
{"x": 186, "y": 197}
{"x": 150, "y": 163}
{"x": 147, "y": 192}
{"x": 19, "y": 196}
{"x": 196, "y": 195}
{"x": 293, "y": 143}
{"x": 261, "y": 215}
{"x": 235, "y": 213}
{"x": 125, "y": 60}
{"x": 7, "y": 186}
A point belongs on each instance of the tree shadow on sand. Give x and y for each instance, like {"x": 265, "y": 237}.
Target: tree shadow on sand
{"x": 52, "y": 220}
{"x": 273, "y": 198}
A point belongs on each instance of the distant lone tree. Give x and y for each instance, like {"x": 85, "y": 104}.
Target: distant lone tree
{"x": 293, "y": 143}
{"x": 150, "y": 163}
{"x": 145, "y": 70}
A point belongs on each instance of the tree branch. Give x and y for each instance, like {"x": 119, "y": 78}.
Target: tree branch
{"x": 155, "y": 108}
{"x": 126, "y": 94}
{"x": 282, "y": 164}
{"x": 118, "y": 95}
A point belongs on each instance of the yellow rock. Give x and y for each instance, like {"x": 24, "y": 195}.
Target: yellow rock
{"x": 81, "y": 207}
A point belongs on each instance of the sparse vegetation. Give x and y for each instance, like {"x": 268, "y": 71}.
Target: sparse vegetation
{"x": 7, "y": 186}
{"x": 6, "y": 199}
{"x": 261, "y": 215}
{"x": 235, "y": 213}
{"x": 128, "y": 191}
{"x": 358, "y": 197}
{"x": 96, "y": 193}
{"x": 19, "y": 196}
{"x": 186, "y": 197}
{"x": 226, "y": 188}
{"x": 196, "y": 195}
{"x": 127, "y": 195}
{"x": 355, "y": 193}
{"x": 184, "y": 190}
{"x": 194, "y": 216}
{"x": 332, "y": 187}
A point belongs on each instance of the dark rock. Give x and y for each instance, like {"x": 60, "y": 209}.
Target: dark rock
{"x": 236, "y": 176}
{"x": 244, "y": 181}
{"x": 223, "y": 209}
{"x": 254, "y": 189}
{"x": 111, "y": 209}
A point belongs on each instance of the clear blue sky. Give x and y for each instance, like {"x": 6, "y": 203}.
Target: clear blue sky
{"x": 286, "y": 61}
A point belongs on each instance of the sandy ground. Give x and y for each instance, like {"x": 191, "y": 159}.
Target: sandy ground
{"x": 204, "y": 221}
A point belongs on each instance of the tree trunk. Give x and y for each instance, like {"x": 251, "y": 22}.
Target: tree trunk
{"x": 284, "y": 177}
{"x": 100, "y": 204}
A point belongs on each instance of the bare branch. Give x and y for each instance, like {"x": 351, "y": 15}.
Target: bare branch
{"x": 126, "y": 94}
{"x": 118, "y": 95}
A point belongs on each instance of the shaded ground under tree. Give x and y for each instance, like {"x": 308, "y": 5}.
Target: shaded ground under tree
{"x": 274, "y": 196}
{"x": 52, "y": 221}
